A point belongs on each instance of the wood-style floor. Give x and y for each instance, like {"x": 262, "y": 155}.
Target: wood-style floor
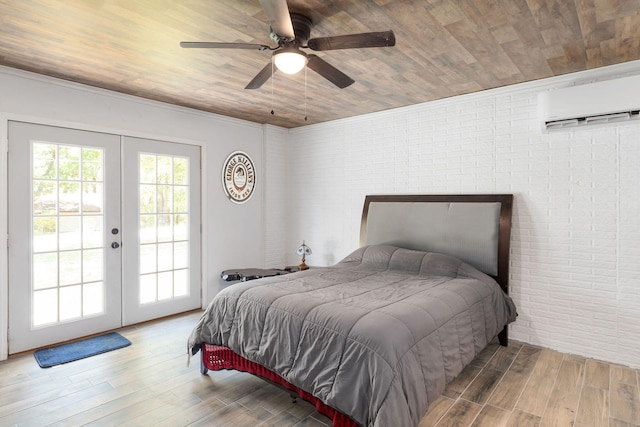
{"x": 149, "y": 384}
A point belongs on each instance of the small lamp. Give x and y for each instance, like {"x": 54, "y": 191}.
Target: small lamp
{"x": 303, "y": 250}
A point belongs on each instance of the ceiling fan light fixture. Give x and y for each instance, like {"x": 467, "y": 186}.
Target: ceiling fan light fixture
{"x": 290, "y": 61}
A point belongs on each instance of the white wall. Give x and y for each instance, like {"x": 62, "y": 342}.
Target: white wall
{"x": 276, "y": 197}
{"x": 233, "y": 234}
{"x": 576, "y": 234}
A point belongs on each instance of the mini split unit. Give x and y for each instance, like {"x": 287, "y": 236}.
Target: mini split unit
{"x": 596, "y": 103}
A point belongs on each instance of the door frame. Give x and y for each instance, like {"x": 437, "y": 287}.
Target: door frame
{"x": 5, "y": 118}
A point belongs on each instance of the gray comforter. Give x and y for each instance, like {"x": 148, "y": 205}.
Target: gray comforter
{"x": 377, "y": 336}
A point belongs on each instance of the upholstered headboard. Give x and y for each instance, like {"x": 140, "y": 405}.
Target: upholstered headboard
{"x": 474, "y": 228}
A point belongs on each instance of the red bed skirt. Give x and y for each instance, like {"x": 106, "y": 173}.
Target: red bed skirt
{"x": 215, "y": 358}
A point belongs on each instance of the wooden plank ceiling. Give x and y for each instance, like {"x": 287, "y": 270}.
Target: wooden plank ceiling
{"x": 444, "y": 48}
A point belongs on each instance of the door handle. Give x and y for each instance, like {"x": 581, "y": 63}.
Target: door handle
{"x": 115, "y": 245}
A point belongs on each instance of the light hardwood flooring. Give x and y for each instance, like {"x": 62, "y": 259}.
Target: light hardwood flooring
{"x": 149, "y": 384}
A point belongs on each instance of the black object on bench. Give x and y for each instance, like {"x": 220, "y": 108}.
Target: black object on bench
{"x": 245, "y": 274}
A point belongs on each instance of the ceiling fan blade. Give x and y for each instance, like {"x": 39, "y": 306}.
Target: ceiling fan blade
{"x": 329, "y": 72}
{"x": 216, "y": 45}
{"x": 353, "y": 41}
{"x": 279, "y": 18}
{"x": 261, "y": 77}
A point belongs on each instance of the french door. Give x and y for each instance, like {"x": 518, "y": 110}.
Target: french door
{"x": 161, "y": 252}
{"x": 103, "y": 232}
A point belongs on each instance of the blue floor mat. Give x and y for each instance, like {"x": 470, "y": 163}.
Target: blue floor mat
{"x": 69, "y": 352}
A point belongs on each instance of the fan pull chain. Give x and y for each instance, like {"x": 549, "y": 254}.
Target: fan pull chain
{"x": 272, "y": 77}
{"x": 305, "y": 94}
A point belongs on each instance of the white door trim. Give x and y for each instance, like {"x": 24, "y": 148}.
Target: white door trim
{"x": 5, "y": 118}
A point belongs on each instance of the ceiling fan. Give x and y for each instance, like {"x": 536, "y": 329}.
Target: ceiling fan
{"x": 291, "y": 32}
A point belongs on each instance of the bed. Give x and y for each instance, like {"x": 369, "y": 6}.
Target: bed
{"x": 375, "y": 338}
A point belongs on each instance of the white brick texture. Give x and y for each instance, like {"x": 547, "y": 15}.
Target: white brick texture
{"x": 575, "y": 248}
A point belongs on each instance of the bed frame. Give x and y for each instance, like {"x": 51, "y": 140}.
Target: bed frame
{"x": 475, "y": 228}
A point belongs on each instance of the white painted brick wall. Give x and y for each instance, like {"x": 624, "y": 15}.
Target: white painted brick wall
{"x": 275, "y": 196}
{"x": 575, "y": 254}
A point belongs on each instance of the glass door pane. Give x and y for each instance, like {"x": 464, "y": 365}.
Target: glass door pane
{"x": 164, "y": 222}
{"x": 68, "y": 233}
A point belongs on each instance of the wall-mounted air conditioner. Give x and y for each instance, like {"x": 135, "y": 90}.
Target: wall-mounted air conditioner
{"x": 594, "y": 103}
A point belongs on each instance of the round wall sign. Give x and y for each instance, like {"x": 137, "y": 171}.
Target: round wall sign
{"x": 238, "y": 177}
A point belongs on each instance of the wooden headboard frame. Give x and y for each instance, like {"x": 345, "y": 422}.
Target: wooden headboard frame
{"x": 504, "y": 226}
